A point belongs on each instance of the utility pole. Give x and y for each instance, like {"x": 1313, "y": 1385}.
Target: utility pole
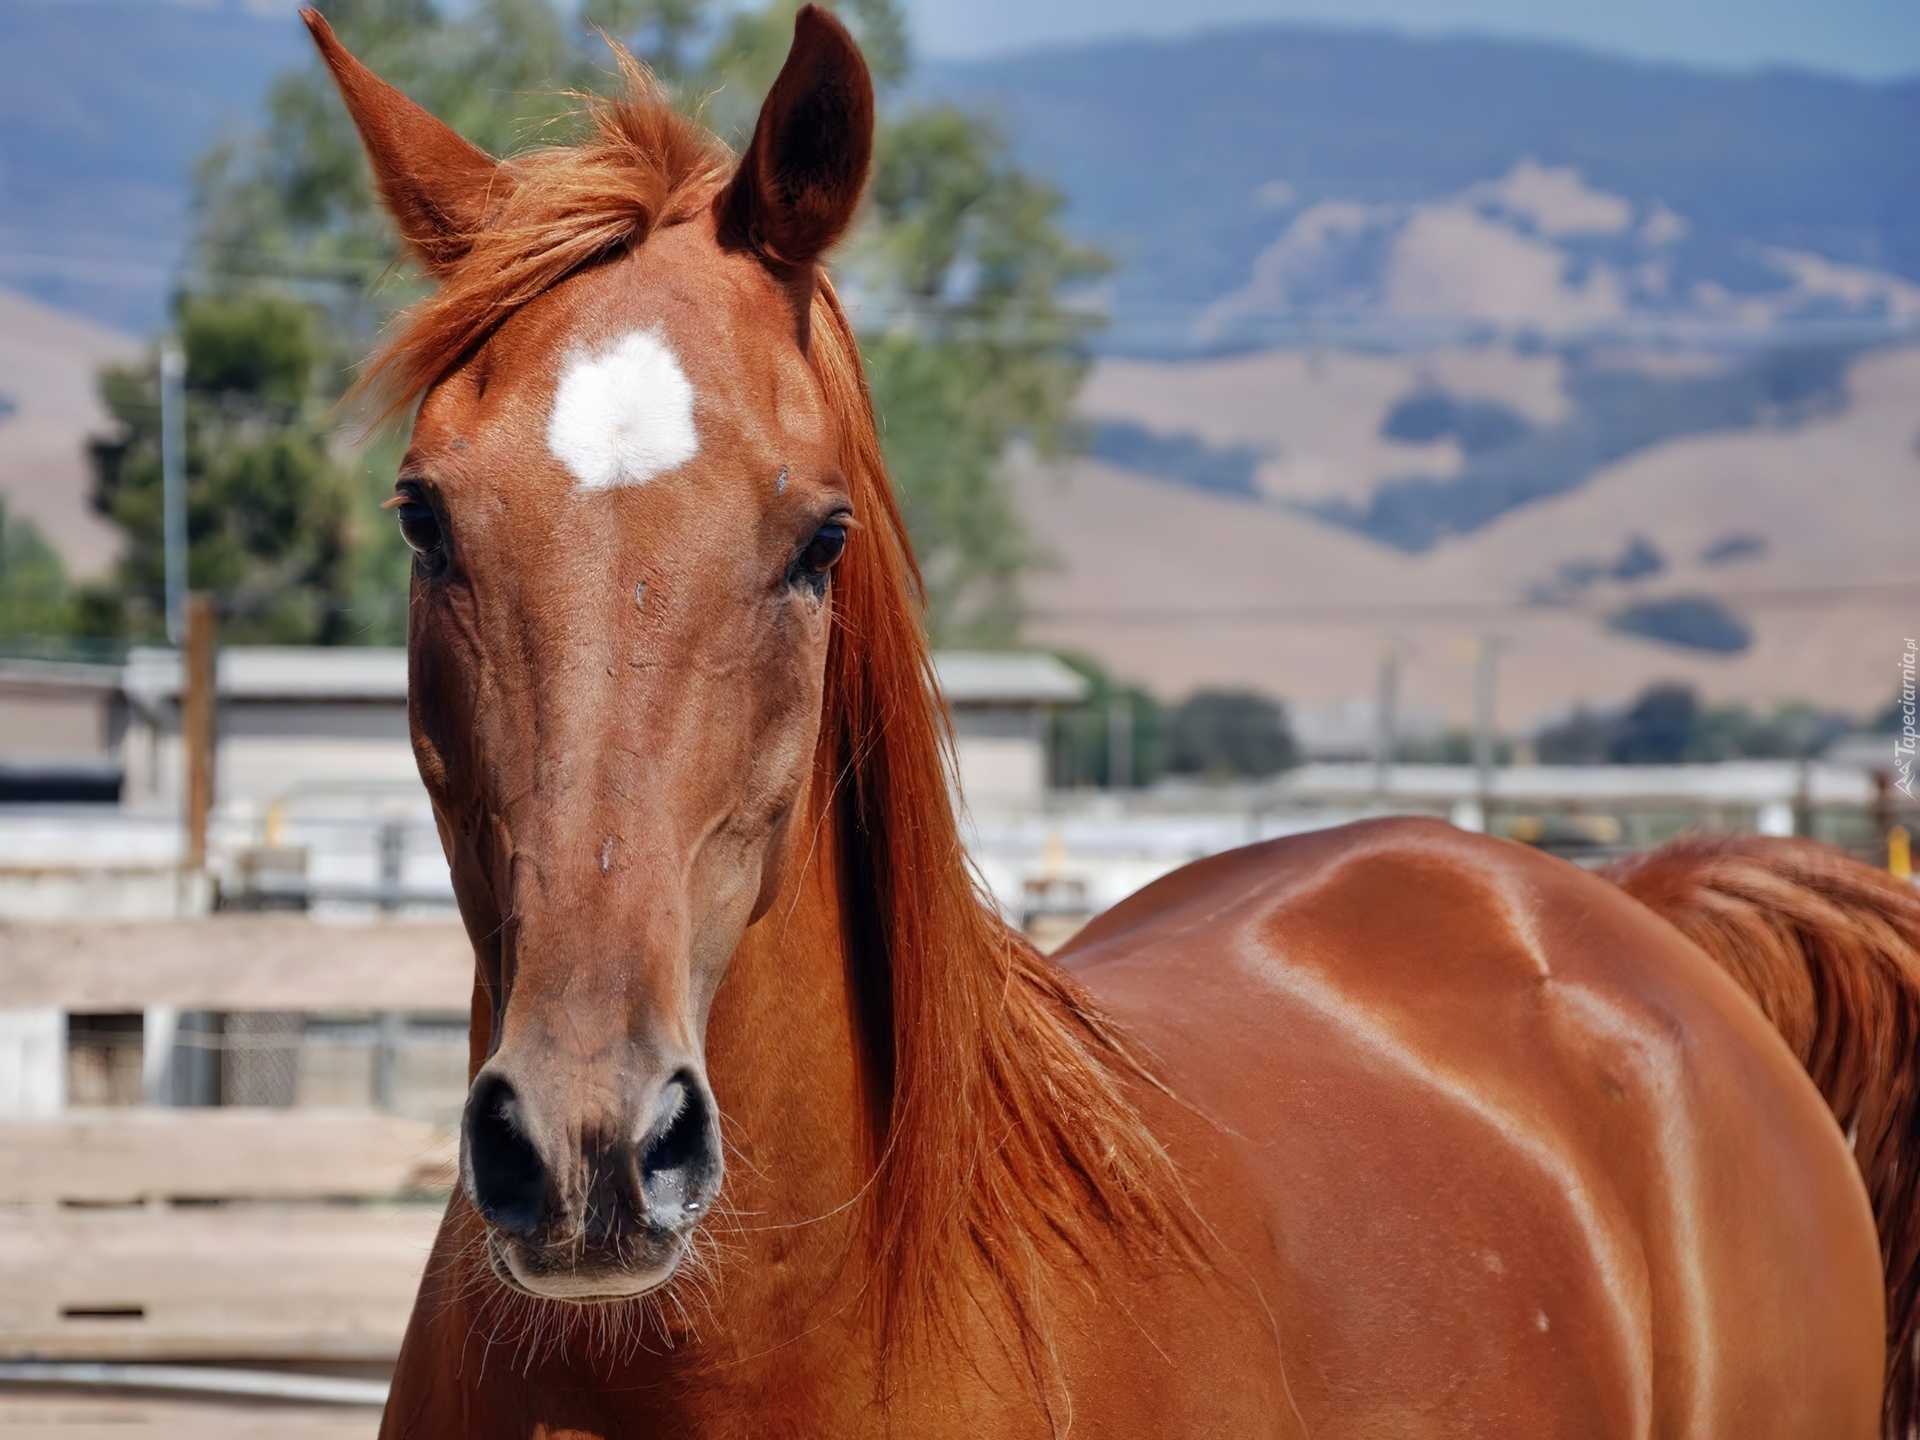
{"x": 197, "y": 725}
{"x": 1119, "y": 743}
{"x": 1483, "y": 722}
{"x": 173, "y": 484}
{"x": 1386, "y": 718}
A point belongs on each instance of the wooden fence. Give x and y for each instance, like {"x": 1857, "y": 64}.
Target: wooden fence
{"x": 142, "y": 1233}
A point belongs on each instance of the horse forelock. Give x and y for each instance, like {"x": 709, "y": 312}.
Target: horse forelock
{"x": 553, "y": 212}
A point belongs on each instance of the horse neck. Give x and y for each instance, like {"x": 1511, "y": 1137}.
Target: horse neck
{"x": 800, "y": 1052}
{"x": 795, "y": 1084}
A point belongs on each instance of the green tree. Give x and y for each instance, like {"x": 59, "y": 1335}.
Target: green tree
{"x": 958, "y": 269}
{"x": 1083, "y": 736}
{"x": 269, "y": 510}
{"x": 1230, "y": 732}
{"x": 33, "y": 586}
{"x": 964, "y": 266}
{"x": 1665, "y": 724}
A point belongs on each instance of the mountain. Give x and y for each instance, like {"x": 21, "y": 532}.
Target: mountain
{"x": 1277, "y": 184}
{"x": 1537, "y": 252}
{"x": 1258, "y": 185}
{"x": 105, "y": 105}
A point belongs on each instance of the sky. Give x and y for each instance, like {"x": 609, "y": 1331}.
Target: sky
{"x": 1869, "y": 39}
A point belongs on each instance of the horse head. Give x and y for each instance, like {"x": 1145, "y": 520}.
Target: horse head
{"x": 626, "y": 498}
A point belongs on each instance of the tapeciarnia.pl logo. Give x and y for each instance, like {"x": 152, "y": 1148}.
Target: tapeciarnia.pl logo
{"x": 1903, "y": 745}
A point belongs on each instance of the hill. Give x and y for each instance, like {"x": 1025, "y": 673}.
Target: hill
{"x": 1610, "y": 359}
{"x": 48, "y": 407}
{"x": 1259, "y": 184}
{"x": 1764, "y": 562}
{"x": 1255, "y": 183}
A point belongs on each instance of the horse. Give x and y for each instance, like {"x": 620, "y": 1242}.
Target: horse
{"x": 776, "y": 1128}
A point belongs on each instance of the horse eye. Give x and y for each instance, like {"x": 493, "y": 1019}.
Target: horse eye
{"x": 824, "y": 549}
{"x": 419, "y": 526}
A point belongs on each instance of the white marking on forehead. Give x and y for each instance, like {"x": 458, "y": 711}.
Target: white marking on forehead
{"x": 623, "y": 414}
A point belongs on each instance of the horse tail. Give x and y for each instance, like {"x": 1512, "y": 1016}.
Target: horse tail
{"x": 1830, "y": 949}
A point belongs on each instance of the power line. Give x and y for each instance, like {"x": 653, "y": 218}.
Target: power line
{"x": 1338, "y": 612}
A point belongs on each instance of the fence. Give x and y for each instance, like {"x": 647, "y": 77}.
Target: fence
{"x": 229, "y": 1138}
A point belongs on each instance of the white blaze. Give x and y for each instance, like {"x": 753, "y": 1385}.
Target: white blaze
{"x": 623, "y": 414}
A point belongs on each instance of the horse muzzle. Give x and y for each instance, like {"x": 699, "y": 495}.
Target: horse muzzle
{"x": 584, "y": 1212}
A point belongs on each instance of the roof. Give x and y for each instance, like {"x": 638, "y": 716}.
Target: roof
{"x": 976, "y": 677}
{"x": 365, "y": 673}
{"x": 346, "y": 673}
{"x": 58, "y": 674}
{"x": 1727, "y": 782}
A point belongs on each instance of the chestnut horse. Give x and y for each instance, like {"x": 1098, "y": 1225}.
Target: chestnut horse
{"x": 1383, "y": 1131}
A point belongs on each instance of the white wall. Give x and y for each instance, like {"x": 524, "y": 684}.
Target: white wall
{"x": 33, "y": 1062}
{"x": 1000, "y": 768}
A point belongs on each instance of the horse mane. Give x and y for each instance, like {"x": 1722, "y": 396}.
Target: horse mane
{"x": 1003, "y": 1135}
{"x": 1006, "y": 1123}
{"x": 1830, "y": 950}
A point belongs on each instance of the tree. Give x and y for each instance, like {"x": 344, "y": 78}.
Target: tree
{"x": 1083, "y": 735}
{"x": 1658, "y": 728}
{"x": 1223, "y": 733}
{"x": 964, "y": 264}
{"x": 269, "y": 510}
{"x": 1580, "y": 739}
{"x": 956, "y": 269}
{"x": 1666, "y": 725}
{"x": 33, "y": 587}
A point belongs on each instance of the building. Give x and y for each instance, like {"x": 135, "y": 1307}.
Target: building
{"x": 1000, "y": 704}
{"x": 296, "y": 723}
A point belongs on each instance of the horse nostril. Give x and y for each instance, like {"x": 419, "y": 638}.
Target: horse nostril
{"x": 507, "y": 1181}
{"x": 679, "y": 1159}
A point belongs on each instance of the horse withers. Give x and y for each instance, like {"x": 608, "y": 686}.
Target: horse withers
{"x": 777, "y": 1130}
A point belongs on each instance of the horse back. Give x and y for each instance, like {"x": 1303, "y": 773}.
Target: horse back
{"x": 1524, "y": 1161}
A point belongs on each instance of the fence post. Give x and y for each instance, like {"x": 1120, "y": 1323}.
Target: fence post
{"x": 389, "y": 1033}
{"x": 159, "y": 1033}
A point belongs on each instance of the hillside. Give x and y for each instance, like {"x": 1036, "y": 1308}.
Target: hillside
{"x": 1764, "y": 562}
{"x": 48, "y": 406}
{"x": 1299, "y": 174}
{"x": 1258, "y": 185}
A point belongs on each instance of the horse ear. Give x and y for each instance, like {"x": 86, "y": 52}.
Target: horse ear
{"x": 435, "y": 184}
{"x": 800, "y": 180}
